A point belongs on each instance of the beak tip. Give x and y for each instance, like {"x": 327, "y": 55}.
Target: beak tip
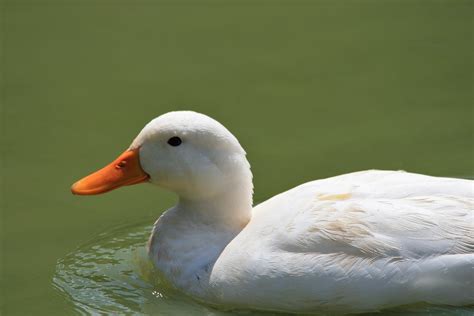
{"x": 74, "y": 189}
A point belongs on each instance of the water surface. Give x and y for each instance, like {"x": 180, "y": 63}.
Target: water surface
{"x": 112, "y": 274}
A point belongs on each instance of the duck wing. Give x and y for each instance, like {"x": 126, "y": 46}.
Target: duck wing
{"x": 356, "y": 242}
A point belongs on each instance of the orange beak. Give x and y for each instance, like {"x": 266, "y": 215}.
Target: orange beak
{"x": 125, "y": 170}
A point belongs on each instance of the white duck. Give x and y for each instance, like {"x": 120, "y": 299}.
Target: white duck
{"x": 357, "y": 242}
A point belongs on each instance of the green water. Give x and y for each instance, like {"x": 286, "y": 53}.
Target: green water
{"x": 311, "y": 89}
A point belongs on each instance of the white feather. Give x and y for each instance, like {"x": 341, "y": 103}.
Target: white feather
{"x": 357, "y": 242}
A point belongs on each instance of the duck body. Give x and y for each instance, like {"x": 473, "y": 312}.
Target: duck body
{"x": 358, "y": 242}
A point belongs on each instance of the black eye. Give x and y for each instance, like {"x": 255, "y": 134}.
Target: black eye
{"x": 174, "y": 141}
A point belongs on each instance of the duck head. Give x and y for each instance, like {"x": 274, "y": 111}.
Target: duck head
{"x": 185, "y": 152}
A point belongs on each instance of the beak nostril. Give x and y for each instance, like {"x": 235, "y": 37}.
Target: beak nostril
{"x": 121, "y": 164}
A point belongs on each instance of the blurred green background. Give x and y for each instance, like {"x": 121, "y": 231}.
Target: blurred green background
{"x": 310, "y": 88}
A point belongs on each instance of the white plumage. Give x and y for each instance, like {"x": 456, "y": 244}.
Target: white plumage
{"x": 357, "y": 242}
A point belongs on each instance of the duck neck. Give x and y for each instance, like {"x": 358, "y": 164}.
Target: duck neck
{"x": 188, "y": 239}
{"x": 230, "y": 209}
{"x": 228, "y": 206}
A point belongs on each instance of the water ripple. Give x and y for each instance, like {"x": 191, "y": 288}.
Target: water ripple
{"x": 111, "y": 274}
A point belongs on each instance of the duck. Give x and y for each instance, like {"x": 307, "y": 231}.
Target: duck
{"x": 358, "y": 242}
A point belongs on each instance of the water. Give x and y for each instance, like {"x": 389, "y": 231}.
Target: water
{"x": 311, "y": 89}
{"x": 111, "y": 273}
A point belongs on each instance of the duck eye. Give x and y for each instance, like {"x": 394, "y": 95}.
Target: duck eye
{"x": 174, "y": 141}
